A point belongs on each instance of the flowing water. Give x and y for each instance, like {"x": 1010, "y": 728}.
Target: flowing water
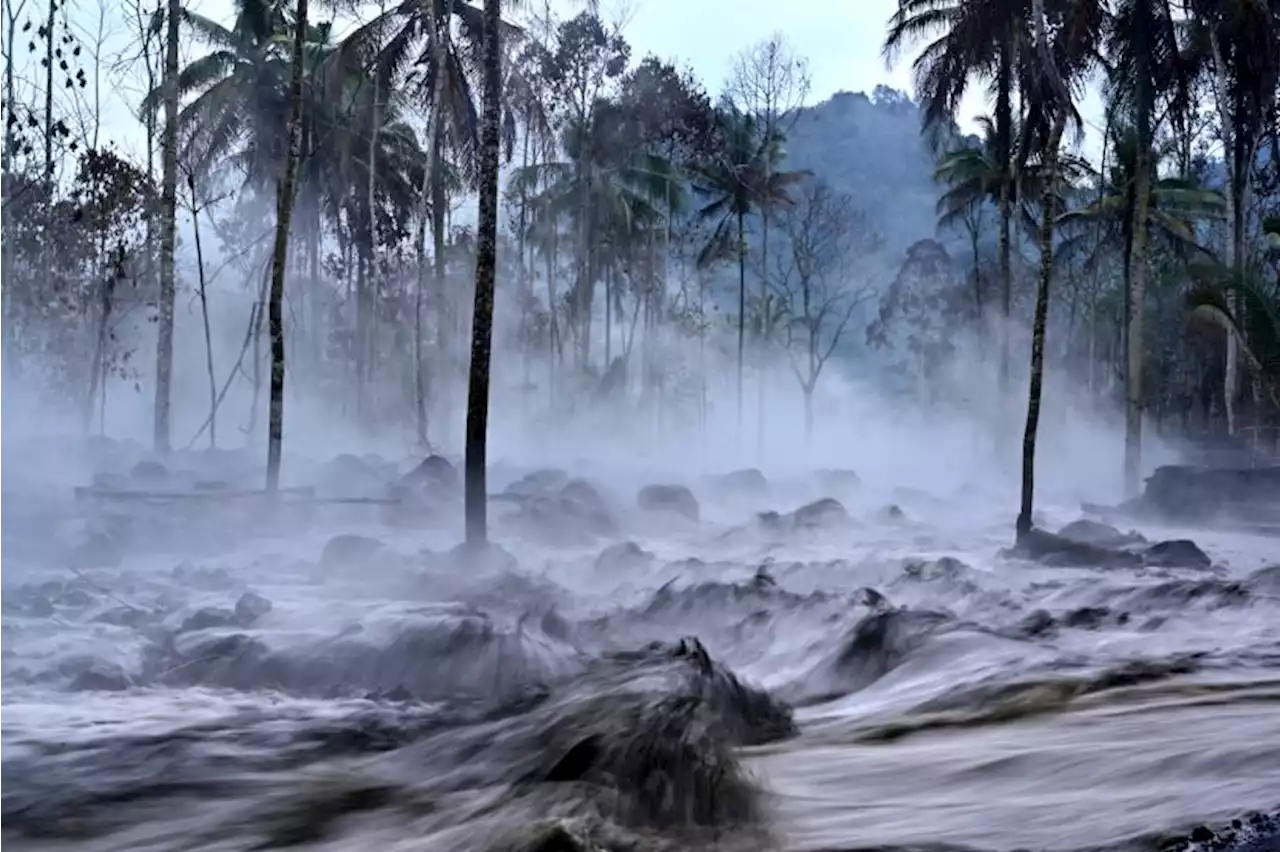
{"x": 867, "y": 674}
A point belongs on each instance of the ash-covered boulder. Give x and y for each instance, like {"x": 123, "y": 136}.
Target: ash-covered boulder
{"x": 434, "y": 475}
{"x": 1058, "y": 552}
{"x": 1176, "y": 553}
{"x": 538, "y": 483}
{"x": 349, "y": 549}
{"x": 748, "y": 482}
{"x": 576, "y": 513}
{"x": 623, "y": 557}
{"x": 250, "y": 608}
{"x": 839, "y": 480}
{"x": 1087, "y": 531}
{"x": 823, "y": 513}
{"x": 669, "y": 498}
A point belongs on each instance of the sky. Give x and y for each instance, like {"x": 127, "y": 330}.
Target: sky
{"x": 839, "y": 40}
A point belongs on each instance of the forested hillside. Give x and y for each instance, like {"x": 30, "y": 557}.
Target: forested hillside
{"x": 871, "y": 148}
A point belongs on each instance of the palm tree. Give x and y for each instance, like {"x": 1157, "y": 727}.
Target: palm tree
{"x": 168, "y": 230}
{"x": 609, "y": 190}
{"x": 241, "y": 89}
{"x": 284, "y": 209}
{"x": 743, "y": 178}
{"x": 1236, "y": 44}
{"x": 1177, "y": 206}
{"x": 974, "y": 177}
{"x": 1064, "y": 46}
{"x": 1145, "y": 66}
{"x": 983, "y": 39}
{"x": 486, "y": 271}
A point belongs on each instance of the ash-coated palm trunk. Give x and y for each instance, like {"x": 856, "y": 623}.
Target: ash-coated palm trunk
{"x": 486, "y": 271}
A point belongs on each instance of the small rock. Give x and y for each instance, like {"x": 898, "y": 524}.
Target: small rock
{"x": 839, "y": 480}
{"x": 101, "y": 676}
{"x": 96, "y": 550}
{"x": 827, "y": 511}
{"x": 251, "y": 607}
{"x": 75, "y": 597}
{"x": 1038, "y": 622}
{"x": 37, "y": 606}
{"x": 348, "y": 549}
{"x": 624, "y": 556}
{"x": 747, "y": 482}
{"x": 1178, "y": 553}
{"x": 208, "y": 618}
{"x": 892, "y": 512}
{"x": 203, "y": 577}
{"x": 150, "y": 471}
{"x": 543, "y": 481}
{"x": 124, "y": 616}
{"x": 672, "y": 498}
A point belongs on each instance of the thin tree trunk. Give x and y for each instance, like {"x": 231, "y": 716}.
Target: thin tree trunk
{"x": 765, "y": 318}
{"x": 1004, "y": 134}
{"x": 742, "y": 310}
{"x": 486, "y": 272}
{"x": 1134, "y": 342}
{"x": 204, "y": 316}
{"x": 434, "y": 203}
{"x": 419, "y": 368}
{"x": 98, "y": 369}
{"x": 284, "y": 212}
{"x": 48, "y": 88}
{"x": 1024, "y": 523}
{"x": 808, "y": 415}
{"x": 168, "y": 230}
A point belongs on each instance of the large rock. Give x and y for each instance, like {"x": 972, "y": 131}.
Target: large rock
{"x": 348, "y": 475}
{"x": 1178, "y": 553}
{"x": 748, "y": 482}
{"x": 576, "y": 513}
{"x": 1200, "y": 494}
{"x": 1088, "y": 531}
{"x": 1060, "y": 552}
{"x": 434, "y": 475}
{"x": 349, "y": 549}
{"x": 538, "y": 483}
{"x": 669, "y": 498}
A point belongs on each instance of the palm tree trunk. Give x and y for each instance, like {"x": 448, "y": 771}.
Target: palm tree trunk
{"x": 1023, "y": 525}
{"x": 1004, "y": 144}
{"x": 168, "y": 230}
{"x": 434, "y": 197}
{"x": 284, "y": 212}
{"x": 1134, "y": 342}
{"x": 486, "y": 273}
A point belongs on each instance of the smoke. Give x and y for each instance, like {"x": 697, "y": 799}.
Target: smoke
{"x": 671, "y": 414}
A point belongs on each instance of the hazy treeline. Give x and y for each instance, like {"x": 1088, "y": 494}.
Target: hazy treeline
{"x": 653, "y": 237}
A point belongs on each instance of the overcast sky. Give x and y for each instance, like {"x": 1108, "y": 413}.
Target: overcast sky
{"x": 840, "y": 39}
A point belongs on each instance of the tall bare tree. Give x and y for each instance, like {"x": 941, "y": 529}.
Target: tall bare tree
{"x": 824, "y": 236}
{"x": 771, "y": 82}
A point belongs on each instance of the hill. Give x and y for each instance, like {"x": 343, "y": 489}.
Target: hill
{"x": 871, "y": 149}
